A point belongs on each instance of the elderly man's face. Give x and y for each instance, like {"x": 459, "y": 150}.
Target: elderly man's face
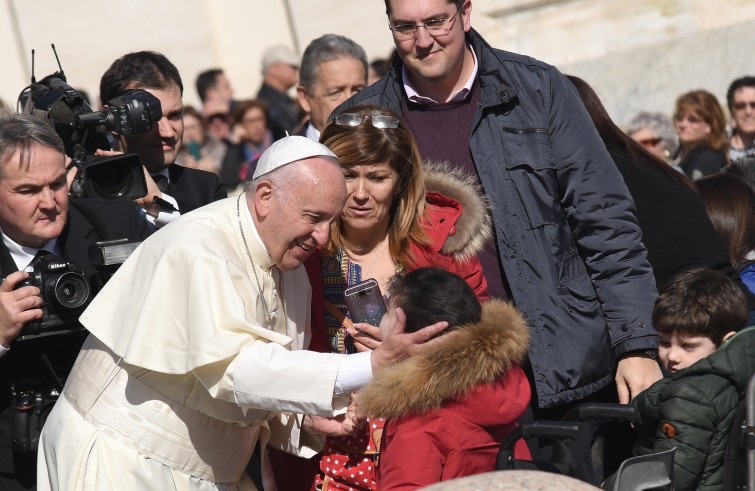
{"x": 34, "y": 201}
{"x": 296, "y": 218}
{"x": 337, "y": 80}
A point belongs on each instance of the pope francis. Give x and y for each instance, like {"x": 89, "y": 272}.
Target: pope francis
{"x": 196, "y": 343}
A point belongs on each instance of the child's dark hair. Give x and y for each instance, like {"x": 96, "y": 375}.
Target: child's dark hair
{"x": 430, "y": 295}
{"x": 700, "y": 302}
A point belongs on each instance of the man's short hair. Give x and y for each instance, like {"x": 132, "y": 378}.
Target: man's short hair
{"x": 327, "y": 48}
{"x": 430, "y": 295}
{"x": 700, "y": 302}
{"x": 142, "y": 69}
{"x": 458, "y": 4}
{"x": 20, "y": 132}
{"x": 207, "y": 80}
{"x": 746, "y": 81}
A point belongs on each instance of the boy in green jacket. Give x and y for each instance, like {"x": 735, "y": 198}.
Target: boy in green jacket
{"x": 699, "y": 316}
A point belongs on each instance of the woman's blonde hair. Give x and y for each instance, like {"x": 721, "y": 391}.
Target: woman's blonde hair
{"x": 366, "y": 144}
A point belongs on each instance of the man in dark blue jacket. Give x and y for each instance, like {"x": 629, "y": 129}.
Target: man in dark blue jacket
{"x": 567, "y": 248}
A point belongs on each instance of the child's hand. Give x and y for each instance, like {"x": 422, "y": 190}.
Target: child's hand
{"x": 340, "y": 425}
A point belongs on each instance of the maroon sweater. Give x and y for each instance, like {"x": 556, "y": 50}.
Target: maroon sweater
{"x": 442, "y": 133}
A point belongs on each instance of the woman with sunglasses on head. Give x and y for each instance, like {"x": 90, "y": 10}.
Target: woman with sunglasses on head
{"x": 398, "y": 217}
{"x": 701, "y": 126}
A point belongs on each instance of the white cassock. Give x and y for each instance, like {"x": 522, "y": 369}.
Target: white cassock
{"x": 181, "y": 376}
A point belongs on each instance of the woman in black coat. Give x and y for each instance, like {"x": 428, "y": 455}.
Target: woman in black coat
{"x": 676, "y": 229}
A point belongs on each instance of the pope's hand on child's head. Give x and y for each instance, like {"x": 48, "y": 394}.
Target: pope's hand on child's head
{"x": 399, "y": 345}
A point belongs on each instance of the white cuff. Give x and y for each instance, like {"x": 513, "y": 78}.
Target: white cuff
{"x": 354, "y": 372}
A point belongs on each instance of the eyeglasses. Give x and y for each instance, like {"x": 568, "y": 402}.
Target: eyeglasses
{"x": 649, "y": 142}
{"x": 434, "y": 27}
{"x": 691, "y": 119}
{"x": 741, "y": 106}
{"x": 378, "y": 120}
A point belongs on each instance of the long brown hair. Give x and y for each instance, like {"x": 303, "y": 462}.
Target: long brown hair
{"x": 366, "y": 144}
{"x": 730, "y": 203}
{"x": 613, "y": 136}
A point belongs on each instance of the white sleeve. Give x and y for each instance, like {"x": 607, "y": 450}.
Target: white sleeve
{"x": 270, "y": 377}
{"x": 354, "y": 372}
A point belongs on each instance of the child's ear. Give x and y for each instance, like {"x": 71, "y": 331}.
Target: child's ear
{"x": 727, "y": 336}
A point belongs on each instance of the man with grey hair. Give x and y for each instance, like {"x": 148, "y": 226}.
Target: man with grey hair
{"x": 195, "y": 350}
{"x": 333, "y": 69}
{"x": 37, "y": 218}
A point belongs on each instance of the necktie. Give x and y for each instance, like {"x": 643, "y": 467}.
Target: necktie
{"x": 162, "y": 182}
{"x": 40, "y": 253}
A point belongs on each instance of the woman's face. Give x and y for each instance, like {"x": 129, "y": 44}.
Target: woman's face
{"x": 193, "y": 129}
{"x": 690, "y": 126}
{"x": 648, "y": 139}
{"x": 254, "y": 124}
{"x": 370, "y": 189}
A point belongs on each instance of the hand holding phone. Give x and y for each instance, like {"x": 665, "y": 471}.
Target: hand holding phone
{"x": 365, "y": 302}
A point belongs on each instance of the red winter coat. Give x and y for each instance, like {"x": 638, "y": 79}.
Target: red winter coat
{"x": 448, "y": 410}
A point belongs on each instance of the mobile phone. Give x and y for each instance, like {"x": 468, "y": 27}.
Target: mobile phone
{"x": 365, "y": 302}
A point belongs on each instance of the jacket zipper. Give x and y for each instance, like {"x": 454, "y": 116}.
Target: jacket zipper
{"x": 525, "y": 131}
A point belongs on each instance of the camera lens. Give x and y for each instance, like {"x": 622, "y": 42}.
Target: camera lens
{"x": 111, "y": 182}
{"x": 69, "y": 290}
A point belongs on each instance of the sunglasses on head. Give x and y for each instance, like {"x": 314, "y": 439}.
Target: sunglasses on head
{"x": 378, "y": 120}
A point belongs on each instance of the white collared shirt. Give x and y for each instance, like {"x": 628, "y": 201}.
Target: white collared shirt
{"x": 414, "y": 96}
{"x": 312, "y": 133}
{"x": 23, "y": 256}
{"x": 164, "y": 217}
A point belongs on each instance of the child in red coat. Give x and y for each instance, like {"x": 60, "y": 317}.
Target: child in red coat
{"x": 448, "y": 408}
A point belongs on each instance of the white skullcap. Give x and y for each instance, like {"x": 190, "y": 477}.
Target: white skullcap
{"x": 288, "y": 150}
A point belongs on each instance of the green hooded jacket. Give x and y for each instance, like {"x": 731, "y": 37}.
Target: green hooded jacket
{"x": 694, "y": 410}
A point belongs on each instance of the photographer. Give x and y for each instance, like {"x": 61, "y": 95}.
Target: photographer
{"x": 179, "y": 189}
{"x": 37, "y": 217}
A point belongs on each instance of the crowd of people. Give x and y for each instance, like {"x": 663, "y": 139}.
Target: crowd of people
{"x": 530, "y": 253}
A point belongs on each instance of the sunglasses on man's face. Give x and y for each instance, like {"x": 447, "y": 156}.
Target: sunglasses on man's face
{"x": 741, "y": 106}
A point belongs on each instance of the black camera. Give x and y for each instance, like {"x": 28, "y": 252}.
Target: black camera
{"x": 32, "y": 408}
{"x": 83, "y": 131}
{"x": 65, "y": 292}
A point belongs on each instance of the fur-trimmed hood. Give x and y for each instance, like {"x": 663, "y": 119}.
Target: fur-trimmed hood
{"x": 458, "y": 362}
{"x": 474, "y": 227}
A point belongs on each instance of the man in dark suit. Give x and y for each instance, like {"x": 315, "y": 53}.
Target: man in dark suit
{"x": 37, "y": 218}
{"x": 178, "y": 189}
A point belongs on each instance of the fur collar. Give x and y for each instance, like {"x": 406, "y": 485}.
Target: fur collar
{"x": 454, "y": 364}
{"x": 473, "y": 228}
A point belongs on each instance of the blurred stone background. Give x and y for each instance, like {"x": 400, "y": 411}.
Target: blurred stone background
{"x": 638, "y": 54}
